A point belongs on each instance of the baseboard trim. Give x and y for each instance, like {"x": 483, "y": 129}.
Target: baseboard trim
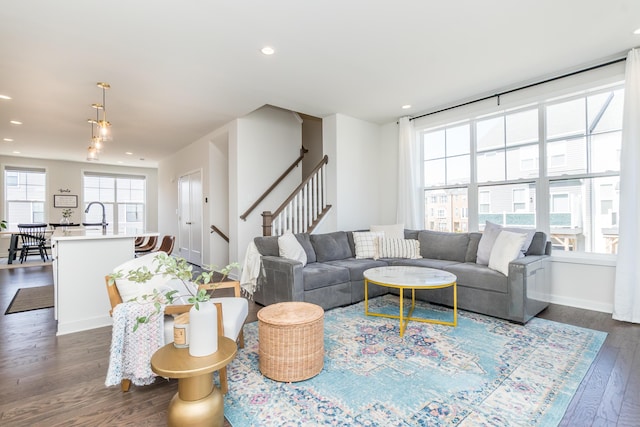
{"x": 579, "y": 303}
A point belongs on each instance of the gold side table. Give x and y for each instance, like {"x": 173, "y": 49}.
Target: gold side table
{"x": 198, "y": 401}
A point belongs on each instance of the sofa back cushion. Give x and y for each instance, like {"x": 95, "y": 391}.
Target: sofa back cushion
{"x": 331, "y": 246}
{"x": 305, "y": 241}
{"x": 538, "y": 244}
{"x": 267, "y": 246}
{"x": 472, "y": 249}
{"x": 442, "y": 245}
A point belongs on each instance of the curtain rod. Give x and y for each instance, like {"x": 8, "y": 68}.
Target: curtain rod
{"x": 499, "y": 94}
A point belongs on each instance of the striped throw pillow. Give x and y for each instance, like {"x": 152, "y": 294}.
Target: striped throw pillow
{"x": 399, "y": 248}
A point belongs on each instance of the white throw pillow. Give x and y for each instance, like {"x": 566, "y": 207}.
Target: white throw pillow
{"x": 367, "y": 244}
{"x": 505, "y": 249}
{"x": 289, "y": 247}
{"x": 489, "y": 235}
{"x": 399, "y": 248}
{"x": 130, "y": 290}
{"x": 394, "y": 231}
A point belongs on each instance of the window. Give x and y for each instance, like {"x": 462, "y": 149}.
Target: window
{"x": 441, "y": 217}
{"x": 124, "y": 199}
{"x": 511, "y": 205}
{"x": 519, "y": 200}
{"x": 484, "y": 197}
{"x": 25, "y": 195}
{"x": 569, "y": 146}
{"x": 446, "y": 156}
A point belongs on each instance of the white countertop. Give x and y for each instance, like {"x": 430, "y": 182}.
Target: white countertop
{"x": 93, "y": 233}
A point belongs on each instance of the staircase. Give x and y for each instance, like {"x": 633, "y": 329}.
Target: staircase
{"x": 304, "y": 208}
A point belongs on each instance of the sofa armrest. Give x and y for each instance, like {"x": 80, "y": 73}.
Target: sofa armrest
{"x": 280, "y": 280}
{"x": 529, "y": 286}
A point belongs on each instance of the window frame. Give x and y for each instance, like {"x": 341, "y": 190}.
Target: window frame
{"x": 612, "y": 83}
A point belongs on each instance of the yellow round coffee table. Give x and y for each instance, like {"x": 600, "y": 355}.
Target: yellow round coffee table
{"x": 406, "y": 277}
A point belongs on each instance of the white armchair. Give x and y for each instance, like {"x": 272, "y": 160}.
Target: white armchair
{"x": 232, "y": 311}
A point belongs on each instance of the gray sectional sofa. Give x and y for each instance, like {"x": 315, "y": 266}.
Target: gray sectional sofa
{"x": 333, "y": 277}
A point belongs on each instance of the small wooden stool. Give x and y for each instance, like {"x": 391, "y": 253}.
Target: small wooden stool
{"x": 291, "y": 341}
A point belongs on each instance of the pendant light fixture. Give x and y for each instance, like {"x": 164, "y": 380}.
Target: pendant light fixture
{"x": 102, "y": 131}
{"x": 95, "y": 145}
{"x": 104, "y": 127}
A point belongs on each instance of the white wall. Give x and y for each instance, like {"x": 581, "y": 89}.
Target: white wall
{"x": 219, "y": 198}
{"x": 355, "y": 170}
{"x": 68, "y": 176}
{"x": 262, "y": 145}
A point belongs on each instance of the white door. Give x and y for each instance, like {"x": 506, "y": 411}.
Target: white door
{"x": 190, "y": 217}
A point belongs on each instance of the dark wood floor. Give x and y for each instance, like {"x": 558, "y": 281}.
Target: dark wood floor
{"x": 59, "y": 381}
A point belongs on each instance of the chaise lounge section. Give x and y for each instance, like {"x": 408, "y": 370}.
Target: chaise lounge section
{"x": 333, "y": 273}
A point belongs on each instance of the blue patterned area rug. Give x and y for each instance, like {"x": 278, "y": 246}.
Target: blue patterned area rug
{"x": 485, "y": 372}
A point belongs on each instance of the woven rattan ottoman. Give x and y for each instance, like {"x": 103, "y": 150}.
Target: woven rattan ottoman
{"x": 291, "y": 341}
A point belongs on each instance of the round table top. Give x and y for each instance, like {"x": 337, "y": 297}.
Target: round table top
{"x": 410, "y": 277}
{"x": 290, "y": 313}
{"x": 173, "y": 362}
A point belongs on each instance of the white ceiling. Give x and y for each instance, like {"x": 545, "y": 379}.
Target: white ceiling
{"x": 181, "y": 69}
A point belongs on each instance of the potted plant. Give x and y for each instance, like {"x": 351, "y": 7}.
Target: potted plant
{"x": 3, "y": 224}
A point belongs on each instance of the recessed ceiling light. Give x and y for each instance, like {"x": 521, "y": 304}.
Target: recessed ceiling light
{"x": 16, "y": 152}
{"x": 4, "y": 96}
{"x": 15, "y": 122}
{"x": 637, "y": 31}
{"x": 8, "y": 139}
{"x": 267, "y": 50}
{"x": 128, "y": 153}
{"x": 120, "y": 162}
{"x": 406, "y": 106}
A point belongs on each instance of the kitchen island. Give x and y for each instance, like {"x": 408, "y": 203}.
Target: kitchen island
{"x": 81, "y": 259}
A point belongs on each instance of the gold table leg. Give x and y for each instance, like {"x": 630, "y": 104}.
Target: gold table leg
{"x": 197, "y": 403}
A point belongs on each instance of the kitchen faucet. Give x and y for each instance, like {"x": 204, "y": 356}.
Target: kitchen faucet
{"x": 104, "y": 215}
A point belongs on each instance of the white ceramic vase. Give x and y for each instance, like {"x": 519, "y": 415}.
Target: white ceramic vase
{"x": 203, "y": 329}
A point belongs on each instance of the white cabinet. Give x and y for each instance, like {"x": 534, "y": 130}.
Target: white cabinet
{"x": 81, "y": 260}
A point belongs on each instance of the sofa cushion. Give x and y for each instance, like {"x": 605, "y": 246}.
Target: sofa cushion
{"x": 305, "y": 242}
{"x": 357, "y": 267}
{"x": 411, "y": 234}
{"x": 289, "y": 247}
{"x": 538, "y": 244}
{"x": 331, "y": 246}
{"x": 422, "y": 262}
{"x": 477, "y": 276}
{"x": 267, "y": 246}
{"x": 442, "y": 245}
{"x": 472, "y": 249}
{"x": 319, "y": 275}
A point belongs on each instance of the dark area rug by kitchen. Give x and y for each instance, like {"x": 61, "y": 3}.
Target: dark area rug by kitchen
{"x": 27, "y": 299}
{"x": 486, "y": 371}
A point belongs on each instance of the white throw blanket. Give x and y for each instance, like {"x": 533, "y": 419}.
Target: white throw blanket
{"x": 251, "y": 269}
{"x": 131, "y": 352}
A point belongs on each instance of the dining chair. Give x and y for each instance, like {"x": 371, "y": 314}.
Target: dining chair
{"x": 166, "y": 245}
{"x": 34, "y": 240}
{"x": 148, "y": 246}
